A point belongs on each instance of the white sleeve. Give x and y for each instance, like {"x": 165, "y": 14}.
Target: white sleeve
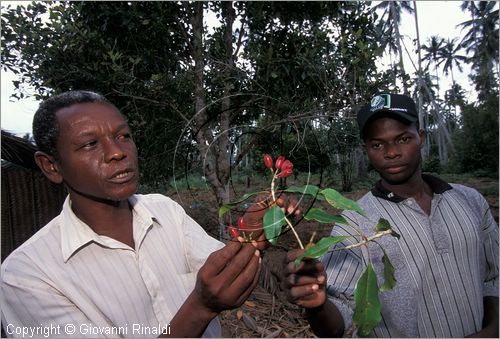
{"x": 199, "y": 245}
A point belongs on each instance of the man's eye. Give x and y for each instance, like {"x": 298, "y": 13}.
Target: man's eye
{"x": 125, "y": 136}
{"x": 376, "y": 145}
{"x": 404, "y": 140}
{"x": 90, "y": 144}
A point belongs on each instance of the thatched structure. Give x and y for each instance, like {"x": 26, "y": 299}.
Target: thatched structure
{"x": 29, "y": 199}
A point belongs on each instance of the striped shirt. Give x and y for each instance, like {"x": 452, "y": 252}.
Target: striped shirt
{"x": 445, "y": 262}
{"x": 69, "y": 281}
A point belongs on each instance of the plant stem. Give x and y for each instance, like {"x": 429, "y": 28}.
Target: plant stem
{"x": 294, "y": 232}
{"x": 273, "y": 194}
{"x": 365, "y": 240}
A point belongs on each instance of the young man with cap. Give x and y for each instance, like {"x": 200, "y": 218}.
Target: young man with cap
{"x": 446, "y": 261}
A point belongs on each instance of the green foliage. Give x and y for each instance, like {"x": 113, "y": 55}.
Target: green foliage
{"x": 432, "y": 164}
{"x": 321, "y": 216}
{"x": 308, "y": 189}
{"x": 274, "y": 219}
{"x": 367, "y": 313}
{"x": 115, "y": 48}
{"x": 337, "y": 200}
{"x": 227, "y": 207}
{"x": 477, "y": 142}
{"x": 296, "y": 60}
{"x": 367, "y": 310}
{"x": 389, "y": 279}
{"x": 481, "y": 40}
{"x": 319, "y": 249}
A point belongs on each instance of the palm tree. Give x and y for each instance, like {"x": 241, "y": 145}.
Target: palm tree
{"x": 421, "y": 119}
{"x": 449, "y": 57}
{"x": 481, "y": 40}
{"x": 435, "y": 120}
{"x": 390, "y": 22}
{"x": 432, "y": 53}
{"x": 454, "y": 97}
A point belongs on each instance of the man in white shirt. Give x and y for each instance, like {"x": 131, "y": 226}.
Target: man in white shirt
{"x": 114, "y": 263}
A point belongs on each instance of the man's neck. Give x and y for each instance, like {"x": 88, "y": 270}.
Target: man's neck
{"x": 415, "y": 187}
{"x": 114, "y": 220}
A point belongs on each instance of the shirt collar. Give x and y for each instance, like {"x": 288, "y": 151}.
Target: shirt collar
{"x": 75, "y": 234}
{"x": 437, "y": 185}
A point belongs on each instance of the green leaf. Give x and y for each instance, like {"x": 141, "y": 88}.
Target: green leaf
{"x": 389, "y": 278}
{"x": 224, "y": 208}
{"x": 367, "y": 312}
{"x": 274, "y": 219}
{"x": 321, "y": 216}
{"x": 384, "y": 225}
{"x": 320, "y": 248}
{"x": 337, "y": 200}
{"x": 307, "y": 189}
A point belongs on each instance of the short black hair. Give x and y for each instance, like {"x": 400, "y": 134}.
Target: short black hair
{"x": 45, "y": 125}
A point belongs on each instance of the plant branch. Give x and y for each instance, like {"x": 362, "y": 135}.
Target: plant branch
{"x": 289, "y": 223}
{"x": 365, "y": 240}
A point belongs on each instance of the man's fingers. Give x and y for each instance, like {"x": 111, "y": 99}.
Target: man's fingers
{"x": 300, "y": 280}
{"x": 238, "y": 288}
{"x": 291, "y": 255}
{"x": 304, "y": 292}
{"x": 251, "y": 274}
{"x": 238, "y": 263}
{"x": 217, "y": 260}
{"x": 289, "y": 204}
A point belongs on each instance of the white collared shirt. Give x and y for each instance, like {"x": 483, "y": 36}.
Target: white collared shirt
{"x": 68, "y": 281}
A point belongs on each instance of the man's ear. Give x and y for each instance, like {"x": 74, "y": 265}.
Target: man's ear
{"x": 49, "y": 166}
{"x": 423, "y": 136}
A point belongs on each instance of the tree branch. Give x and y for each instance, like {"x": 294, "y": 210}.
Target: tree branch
{"x": 169, "y": 104}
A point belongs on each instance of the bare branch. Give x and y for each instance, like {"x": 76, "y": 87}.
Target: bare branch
{"x": 168, "y": 104}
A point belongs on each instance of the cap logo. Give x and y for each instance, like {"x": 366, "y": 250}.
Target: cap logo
{"x": 380, "y": 101}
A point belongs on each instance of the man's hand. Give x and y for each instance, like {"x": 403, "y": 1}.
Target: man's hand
{"x": 255, "y": 213}
{"x": 304, "y": 285}
{"x": 225, "y": 281}
{"x": 228, "y": 277}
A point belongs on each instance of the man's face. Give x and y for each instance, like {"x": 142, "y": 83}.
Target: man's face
{"x": 97, "y": 155}
{"x": 393, "y": 149}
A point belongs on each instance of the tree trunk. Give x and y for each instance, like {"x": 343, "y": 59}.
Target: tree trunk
{"x": 400, "y": 50}
{"x": 421, "y": 122}
{"x": 361, "y": 164}
{"x": 442, "y": 127}
{"x": 223, "y": 141}
{"x": 215, "y": 153}
{"x": 203, "y": 136}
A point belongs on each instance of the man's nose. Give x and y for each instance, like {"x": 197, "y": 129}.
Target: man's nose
{"x": 392, "y": 151}
{"x": 113, "y": 151}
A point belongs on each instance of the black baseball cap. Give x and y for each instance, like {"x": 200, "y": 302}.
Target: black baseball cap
{"x": 390, "y": 105}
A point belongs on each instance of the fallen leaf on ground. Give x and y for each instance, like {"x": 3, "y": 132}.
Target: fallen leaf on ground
{"x": 250, "y": 303}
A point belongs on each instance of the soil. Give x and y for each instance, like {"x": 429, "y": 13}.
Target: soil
{"x": 267, "y": 313}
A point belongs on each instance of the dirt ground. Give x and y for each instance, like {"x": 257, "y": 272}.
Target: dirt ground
{"x": 267, "y": 313}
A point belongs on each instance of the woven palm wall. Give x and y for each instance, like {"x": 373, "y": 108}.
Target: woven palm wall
{"x": 29, "y": 199}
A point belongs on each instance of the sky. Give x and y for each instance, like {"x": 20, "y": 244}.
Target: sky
{"x": 435, "y": 18}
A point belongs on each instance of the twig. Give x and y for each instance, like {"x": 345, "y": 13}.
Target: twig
{"x": 365, "y": 240}
{"x": 273, "y": 194}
